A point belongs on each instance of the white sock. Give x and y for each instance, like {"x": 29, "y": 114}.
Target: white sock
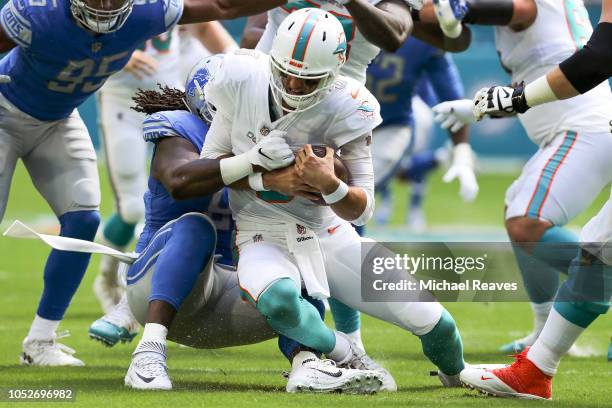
{"x": 43, "y": 329}
{"x": 540, "y": 314}
{"x": 301, "y": 357}
{"x": 556, "y": 339}
{"x": 342, "y": 349}
{"x": 152, "y": 333}
{"x": 356, "y": 339}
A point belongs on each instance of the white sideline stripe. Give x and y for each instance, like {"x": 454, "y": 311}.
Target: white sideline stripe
{"x": 20, "y": 230}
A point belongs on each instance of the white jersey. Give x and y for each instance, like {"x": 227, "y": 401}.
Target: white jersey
{"x": 165, "y": 49}
{"x": 241, "y": 94}
{"x": 561, "y": 28}
{"x": 360, "y": 52}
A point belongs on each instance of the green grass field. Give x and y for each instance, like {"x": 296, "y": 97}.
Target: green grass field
{"x": 247, "y": 376}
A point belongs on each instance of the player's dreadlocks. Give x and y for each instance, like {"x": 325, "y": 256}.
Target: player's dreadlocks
{"x": 166, "y": 99}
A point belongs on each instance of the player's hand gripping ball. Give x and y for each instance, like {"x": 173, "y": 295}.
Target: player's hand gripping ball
{"x": 317, "y": 165}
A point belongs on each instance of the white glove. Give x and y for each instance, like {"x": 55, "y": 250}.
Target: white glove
{"x": 414, "y": 4}
{"x": 272, "y": 152}
{"x": 500, "y": 101}
{"x": 5, "y": 79}
{"x": 449, "y": 14}
{"x": 462, "y": 167}
{"x": 453, "y": 115}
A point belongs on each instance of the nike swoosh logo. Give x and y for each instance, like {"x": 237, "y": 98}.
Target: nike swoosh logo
{"x": 333, "y": 229}
{"x": 483, "y": 378}
{"x": 145, "y": 379}
{"x": 263, "y": 154}
{"x": 506, "y": 93}
{"x": 336, "y": 374}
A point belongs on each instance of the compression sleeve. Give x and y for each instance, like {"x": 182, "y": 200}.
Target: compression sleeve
{"x": 591, "y": 65}
{"x": 357, "y": 158}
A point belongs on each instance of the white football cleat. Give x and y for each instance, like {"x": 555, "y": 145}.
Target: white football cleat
{"x": 312, "y": 374}
{"x": 48, "y": 352}
{"x": 358, "y": 359}
{"x": 148, "y": 370}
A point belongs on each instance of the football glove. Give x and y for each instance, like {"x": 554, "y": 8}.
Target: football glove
{"x": 462, "y": 168}
{"x": 271, "y": 152}
{"x": 453, "y": 115}
{"x": 5, "y": 79}
{"x": 500, "y": 101}
{"x": 449, "y": 14}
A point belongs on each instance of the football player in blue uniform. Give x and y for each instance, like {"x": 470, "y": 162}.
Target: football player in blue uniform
{"x": 60, "y": 53}
{"x": 394, "y": 79}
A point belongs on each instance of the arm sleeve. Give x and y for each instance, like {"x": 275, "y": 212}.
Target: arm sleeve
{"x": 218, "y": 139}
{"x": 265, "y": 42}
{"x": 15, "y": 23}
{"x": 173, "y": 10}
{"x": 357, "y": 158}
{"x": 591, "y": 65}
{"x": 156, "y": 127}
{"x": 444, "y": 77}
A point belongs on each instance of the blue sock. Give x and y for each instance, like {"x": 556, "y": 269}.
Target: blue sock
{"x": 346, "y": 319}
{"x": 65, "y": 270}
{"x": 290, "y": 347}
{"x": 183, "y": 258}
{"x": 417, "y": 194}
{"x": 540, "y": 270}
{"x": 421, "y": 164}
{"x": 118, "y": 232}
{"x": 292, "y": 316}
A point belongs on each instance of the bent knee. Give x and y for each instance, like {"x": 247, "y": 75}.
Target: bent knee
{"x": 280, "y": 302}
{"x": 525, "y": 229}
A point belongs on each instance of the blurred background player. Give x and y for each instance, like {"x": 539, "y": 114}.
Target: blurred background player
{"x": 395, "y": 78}
{"x": 60, "y": 54}
{"x": 571, "y": 166}
{"x": 156, "y": 61}
{"x": 587, "y": 292}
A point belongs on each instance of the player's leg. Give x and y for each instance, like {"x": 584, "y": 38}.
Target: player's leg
{"x": 428, "y": 320}
{"x": 582, "y": 298}
{"x": 177, "y": 258}
{"x": 270, "y": 280}
{"x": 125, "y": 152}
{"x": 63, "y": 168}
{"x": 8, "y": 159}
{"x": 555, "y": 186}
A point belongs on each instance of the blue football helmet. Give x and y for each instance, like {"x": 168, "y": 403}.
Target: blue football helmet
{"x": 199, "y": 76}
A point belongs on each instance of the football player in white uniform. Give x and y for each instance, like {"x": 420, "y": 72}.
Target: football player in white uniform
{"x": 586, "y": 293}
{"x": 571, "y": 166}
{"x": 157, "y": 61}
{"x": 285, "y": 238}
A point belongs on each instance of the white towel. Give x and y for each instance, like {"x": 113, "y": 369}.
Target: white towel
{"x": 304, "y": 245}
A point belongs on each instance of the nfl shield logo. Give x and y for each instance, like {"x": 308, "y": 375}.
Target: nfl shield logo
{"x": 95, "y": 47}
{"x": 264, "y": 130}
{"x": 300, "y": 229}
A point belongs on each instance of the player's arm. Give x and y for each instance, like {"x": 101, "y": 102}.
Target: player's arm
{"x": 578, "y": 74}
{"x": 352, "y": 201}
{"x": 208, "y": 10}
{"x": 432, "y": 34}
{"x": 16, "y": 29}
{"x": 254, "y": 29}
{"x": 6, "y": 44}
{"x": 386, "y": 25}
{"x": 213, "y": 36}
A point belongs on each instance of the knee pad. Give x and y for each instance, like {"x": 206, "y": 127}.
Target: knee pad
{"x": 131, "y": 209}
{"x": 80, "y": 224}
{"x": 280, "y": 302}
{"x": 86, "y": 194}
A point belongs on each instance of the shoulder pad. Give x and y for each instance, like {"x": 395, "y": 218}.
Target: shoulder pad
{"x": 156, "y": 127}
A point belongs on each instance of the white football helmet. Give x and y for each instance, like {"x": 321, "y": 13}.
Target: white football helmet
{"x": 199, "y": 76}
{"x": 310, "y": 44}
{"x": 101, "y": 21}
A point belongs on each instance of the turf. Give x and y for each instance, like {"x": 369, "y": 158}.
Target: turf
{"x": 251, "y": 375}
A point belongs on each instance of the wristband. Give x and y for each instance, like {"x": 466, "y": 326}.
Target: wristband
{"x": 337, "y": 195}
{"x": 256, "y": 182}
{"x": 539, "y": 92}
{"x": 235, "y": 168}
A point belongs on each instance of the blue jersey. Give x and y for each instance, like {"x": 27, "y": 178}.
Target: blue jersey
{"x": 393, "y": 79}
{"x": 160, "y": 207}
{"x": 57, "y": 64}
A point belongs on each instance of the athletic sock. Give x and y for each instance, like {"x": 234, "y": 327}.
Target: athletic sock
{"x": 356, "y": 339}
{"x": 302, "y": 356}
{"x": 342, "y": 349}
{"x": 540, "y": 315}
{"x": 557, "y": 337}
{"x": 118, "y": 232}
{"x": 443, "y": 345}
{"x": 42, "y": 329}
{"x": 346, "y": 319}
{"x": 153, "y": 335}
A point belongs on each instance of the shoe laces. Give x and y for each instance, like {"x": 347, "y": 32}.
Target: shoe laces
{"x": 152, "y": 364}
{"x": 53, "y": 345}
